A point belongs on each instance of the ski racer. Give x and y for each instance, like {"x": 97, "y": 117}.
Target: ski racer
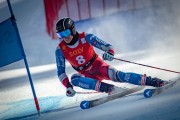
{"x": 78, "y": 50}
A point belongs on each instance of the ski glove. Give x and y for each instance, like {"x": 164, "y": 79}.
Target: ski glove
{"x": 70, "y": 92}
{"x": 108, "y": 55}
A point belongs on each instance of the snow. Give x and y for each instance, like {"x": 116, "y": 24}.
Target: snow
{"x": 148, "y": 36}
{"x": 164, "y": 107}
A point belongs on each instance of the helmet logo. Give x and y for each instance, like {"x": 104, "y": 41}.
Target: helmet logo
{"x": 64, "y": 24}
{"x": 69, "y": 22}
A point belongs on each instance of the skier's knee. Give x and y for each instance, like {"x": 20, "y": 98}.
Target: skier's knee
{"x": 74, "y": 76}
{"x": 83, "y": 82}
{"x": 75, "y": 79}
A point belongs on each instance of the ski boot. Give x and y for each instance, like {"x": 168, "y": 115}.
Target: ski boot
{"x": 155, "y": 82}
{"x": 110, "y": 89}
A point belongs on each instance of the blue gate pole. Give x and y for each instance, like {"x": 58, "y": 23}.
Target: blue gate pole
{"x": 25, "y": 61}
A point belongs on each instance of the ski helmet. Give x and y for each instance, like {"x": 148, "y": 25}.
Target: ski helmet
{"x": 64, "y": 24}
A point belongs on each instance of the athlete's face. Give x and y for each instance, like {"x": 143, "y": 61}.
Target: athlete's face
{"x": 68, "y": 39}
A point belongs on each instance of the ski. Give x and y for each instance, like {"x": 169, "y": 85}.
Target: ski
{"x": 155, "y": 91}
{"x": 92, "y": 103}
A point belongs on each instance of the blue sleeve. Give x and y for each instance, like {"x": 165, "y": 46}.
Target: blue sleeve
{"x": 98, "y": 43}
{"x": 60, "y": 62}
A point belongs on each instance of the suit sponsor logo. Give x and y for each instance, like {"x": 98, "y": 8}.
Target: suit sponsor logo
{"x": 83, "y": 85}
{"x": 83, "y": 40}
{"x": 63, "y": 47}
{"x": 76, "y": 52}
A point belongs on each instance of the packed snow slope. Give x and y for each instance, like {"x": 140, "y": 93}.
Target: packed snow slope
{"x": 162, "y": 107}
{"x": 148, "y": 36}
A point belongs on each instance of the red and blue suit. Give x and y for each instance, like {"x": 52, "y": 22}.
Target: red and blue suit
{"x": 90, "y": 67}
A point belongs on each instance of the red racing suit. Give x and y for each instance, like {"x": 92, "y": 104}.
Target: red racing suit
{"x": 83, "y": 58}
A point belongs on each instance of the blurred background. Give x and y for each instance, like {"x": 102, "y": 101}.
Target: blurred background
{"x": 144, "y": 31}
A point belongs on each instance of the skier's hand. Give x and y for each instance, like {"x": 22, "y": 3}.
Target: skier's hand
{"x": 70, "y": 92}
{"x": 108, "y": 55}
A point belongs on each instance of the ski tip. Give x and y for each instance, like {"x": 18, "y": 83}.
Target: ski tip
{"x": 85, "y": 104}
{"x": 148, "y": 93}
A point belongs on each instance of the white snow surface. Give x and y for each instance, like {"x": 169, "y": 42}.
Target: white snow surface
{"x": 148, "y": 36}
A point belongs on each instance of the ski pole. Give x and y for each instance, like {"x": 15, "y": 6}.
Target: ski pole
{"x": 147, "y": 65}
{"x": 87, "y": 92}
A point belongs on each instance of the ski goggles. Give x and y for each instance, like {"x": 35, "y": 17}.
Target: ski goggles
{"x": 63, "y": 34}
